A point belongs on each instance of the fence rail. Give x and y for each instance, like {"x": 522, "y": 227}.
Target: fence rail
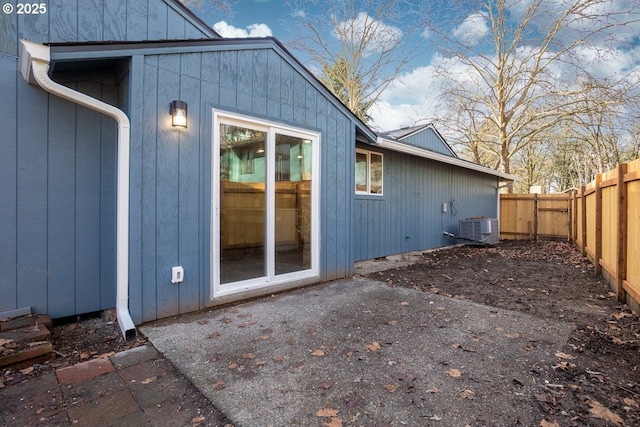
{"x": 602, "y": 218}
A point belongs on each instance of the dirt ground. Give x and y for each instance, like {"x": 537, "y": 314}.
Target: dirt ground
{"x": 596, "y": 381}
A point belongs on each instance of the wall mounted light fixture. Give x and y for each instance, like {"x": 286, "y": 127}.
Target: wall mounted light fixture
{"x": 179, "y": 114}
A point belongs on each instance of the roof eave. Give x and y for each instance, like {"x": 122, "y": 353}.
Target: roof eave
{"x": 432, "y": 155}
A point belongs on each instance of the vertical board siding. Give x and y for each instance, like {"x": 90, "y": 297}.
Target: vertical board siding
{"x": 99, "y": 20}
{"x": 31, "y": 227}
{"x": 189, "y": 196}
{"x": 8, "y": 178}
{"x": 167, "y": 196}
{"x": 408, "y": 216}
{"x": 136, "y": 116}
{"x": 61, "y": 208}
{"x": 150, "y": 115}
{"x": 428, "y": 139}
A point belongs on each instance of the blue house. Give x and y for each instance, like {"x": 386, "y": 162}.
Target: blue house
{"x": 150, "y": 165}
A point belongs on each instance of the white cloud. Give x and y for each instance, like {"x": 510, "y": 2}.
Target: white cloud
{"x": 254, "y": 30}
{"x": 472, "y": 29}
{"x": 364, "y": 26}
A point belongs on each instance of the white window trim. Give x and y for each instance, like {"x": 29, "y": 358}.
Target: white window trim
{"x": 271, "y": 279}
{"x": 368, "y": 153}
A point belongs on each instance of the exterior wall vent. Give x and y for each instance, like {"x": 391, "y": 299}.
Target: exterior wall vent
{"x": 480, "y": 231}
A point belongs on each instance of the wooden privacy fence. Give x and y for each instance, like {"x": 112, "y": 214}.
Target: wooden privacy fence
{"x": 602, "y": 219}
{"x": 533, "y": 216}
{"x": 606, "y": 228}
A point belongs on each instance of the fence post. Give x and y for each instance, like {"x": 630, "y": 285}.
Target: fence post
{"x": 583, "y": 221}
{"x": 621, "y": 269}
{"x": 598, "y": 248}
{"x": 535, "y": 217}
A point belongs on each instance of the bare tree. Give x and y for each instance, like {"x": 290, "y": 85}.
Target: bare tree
{"x": 516, "y": 65}
{"x": 357, "y": 47}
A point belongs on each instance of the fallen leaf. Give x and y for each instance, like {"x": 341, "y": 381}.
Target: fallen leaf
{"x": 630, "y": 402}
{"x": 327, "y": 412}
{"x": 264, "y": 337}
{"x": 248, "y": 356}
{"x": 562, "y": 355}
{"x": 392, "y": 322}
{"x": 5, "y": 342}
{"x": 318, "y": 353}
{"x": 197, "y": 420}
{"x": 213, "y": 335}
{"x": 106, "y": 355}
{"x": 404, "y": 303}
{"x": 218, "y": 385}
{"x": 621, "y": 314}
{"x": 545, "y": 423}
{"x": 260, "y": 363}
{"x": 599, "y": 411}
{"x": 512, "y": 336}
{"x": 232, "y": 366}
{"x": 149, "y": 380}
{"x": 203, "y": 322}
{"x": 455, "y": 373}
{"x": 85, "y": 355}
{"x": 226, "y": 320}
{"x": 335, "y": 422}
{"x": 374, "y": 346}
{"x": 27, "y": 371}
{"x": 435, "y": 418}
{"x": 391, "y": 388}
{"x": 249, "y": 323}
{"x": 564, "y": 365}
{"x": 277, "y": 358}
{"x": 467, "y": 394}
{"x": 432, "y": 390}
{"x": 325, "y": 385}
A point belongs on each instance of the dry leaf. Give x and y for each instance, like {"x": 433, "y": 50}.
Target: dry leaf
{"x": 325, "y": 385}
{"x": 562, "y": 355}
{"x": 213, "y": 335}
{"x": 203, "y": 322}
{"x": 85, "y": 355}
{"x": 318, "y": 353}
{"x": 432, "y": 390}
{"x": 26, "y": 371}
{"x": 232, "y": 366}
{"x": 404, "y": 303}
{"x": 391, "y": 387}
{"x": 4, "y": 342}
{"x": 545, "y": 423}
{"x": 630, "y": 402}
{"x": 197, "y": 420}
{"x": 226, "y": 320}
{"x": 106, "y": 355}
{"x": 512, "y": 336}
{"x": 260, "y": 363}
{"x": 335, "y": 422}
{"x": 218, "y": 385}
{"x": 249, "y": 323}
{"x": 455, "y": 373}
{"x": 248, "y": 356}
{"x": 599, "y": 411}
{"x": 374, "y": 346}
{"x": 277, "y": 358}
{"x": 264, "y": 337}
{"x": 327, "y": 412}
{"x": 467, "y": 394}
{"x": 392, "y": 322}
{"x": 149, "y": 380}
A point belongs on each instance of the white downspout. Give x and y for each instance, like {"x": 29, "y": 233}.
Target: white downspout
{"x": 34, "y": 67}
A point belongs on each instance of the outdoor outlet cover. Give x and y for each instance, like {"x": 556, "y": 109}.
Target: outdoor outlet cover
{"x": 177, "y": 274}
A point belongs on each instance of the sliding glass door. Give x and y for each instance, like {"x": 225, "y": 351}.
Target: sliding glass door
{"x": 264, "y": 221}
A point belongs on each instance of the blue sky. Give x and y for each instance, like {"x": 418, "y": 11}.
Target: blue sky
{"x": 413, "y": 98}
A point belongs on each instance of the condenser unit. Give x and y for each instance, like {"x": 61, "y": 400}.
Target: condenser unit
{"x": 480, "y": 231}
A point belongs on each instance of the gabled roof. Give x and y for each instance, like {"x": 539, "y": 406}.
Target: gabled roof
{"x": 100, "y": 50}
{"x": 405, "y": 133}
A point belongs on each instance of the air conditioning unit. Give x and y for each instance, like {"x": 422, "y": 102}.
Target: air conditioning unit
{"x": 480, "y": 231}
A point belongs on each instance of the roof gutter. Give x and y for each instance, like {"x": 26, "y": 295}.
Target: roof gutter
{"x": 427, "y": 154}
{"x": 34, "y": 67}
